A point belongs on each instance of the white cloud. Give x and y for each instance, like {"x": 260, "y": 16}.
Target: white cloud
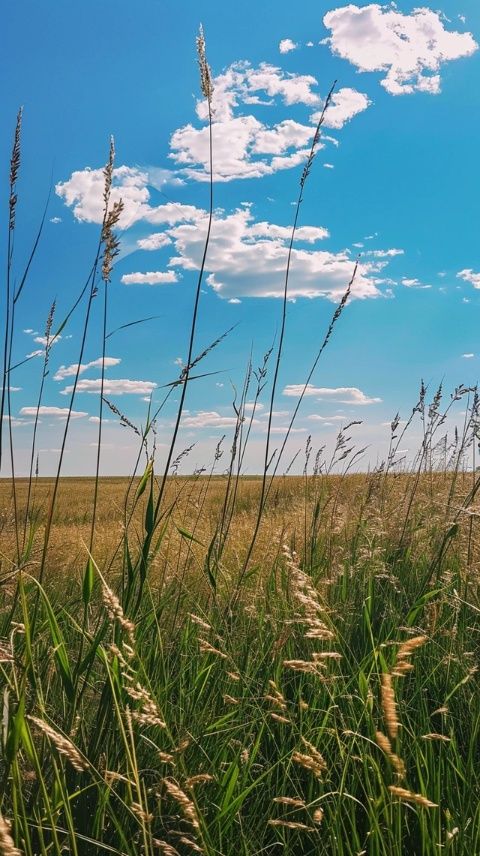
{"x": 60, "y": 412}
{"x": 244, "y": 146}
{"x": 234, "y": 143}
{"x": 55, "y": 220}
{"x": 468, "y": 356}
{"x": 345, "y": 104}
{"x": 149, "y": 278}
{"x": 286, "y": 45}
{"x": 329, "y": 166}
{"x": 414, "y": 283}
{"x": 328, "y": 419}
{"x": 71, "y": 371}
{"x": 209, "y": 419}
{"x": 113, "y": 387}
{"x": 343, "y": 394}
{"x": 410, "y": 48}
{"x": 42, "y": 340}
{"x": 84, "y": 192}
{"x": 244, "y": 261}
{"x": 154, "y": 241}
{"x": 385, "y": 254}
{"x": 470, "y": 276}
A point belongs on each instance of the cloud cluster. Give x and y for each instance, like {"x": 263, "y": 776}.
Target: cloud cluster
{"x": 248, "y": 259}
{"x": 246, "y": 147}
{"x": 410, "y": 48}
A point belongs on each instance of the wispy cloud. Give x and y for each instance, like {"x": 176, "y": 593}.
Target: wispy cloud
{"x": 343, "y": 394}
{"x": 121, "y": 386}
{"x": 57, "y": 412}
{"x": 71, "y": 371}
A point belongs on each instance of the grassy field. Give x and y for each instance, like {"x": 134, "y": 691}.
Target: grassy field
{"x": 331, "y": 707}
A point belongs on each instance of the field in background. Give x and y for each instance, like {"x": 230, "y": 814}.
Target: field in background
{"x": 331, "y": 707}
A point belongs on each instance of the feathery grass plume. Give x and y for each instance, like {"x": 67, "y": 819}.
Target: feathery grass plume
{"x": 165, "y": 847}
{"x": 199, "y": 779}
{"x": 185, "y": 803}
{"x": 408, "y": 796}
{"x": 312, "y": 761}
{"x": 291, "y": 824}
{"x": 199, "y": 621}
{"x": 234, "y": 676}
{"x": 440, "y": 737}
{"x": 386, "y": 747}
{"x": 318, "y": 815}
{"x": 206, "y": 648}
{"x": 290, "y": 801}
{"x": 275, "y": 696}
{"x": 407, "y": 648}
{"x": 307, "y": 666}
{"x": 111, "y": 243}
{"x": 115, "y": 611}
{"x": 63, "y": 746}
{"x": 228, "y": 699}
{"x": 307, "y": 598}
{"x": 279, "y": 718}
{"x": 148, "y": 714}
{"x": 144, "y": 816}
{"x": 14, "y": 168}
{"x": 7, "y": 844}
{"x": 189, "y": 842}
{"x": 389, "y": 706}
{"x": 206, "y": 84}
{"x": 166, "y": 757}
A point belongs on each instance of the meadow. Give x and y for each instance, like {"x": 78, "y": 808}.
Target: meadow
{"x": 226, "y": 665}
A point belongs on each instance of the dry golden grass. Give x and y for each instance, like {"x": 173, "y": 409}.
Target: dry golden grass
{"x": 346, "y": 505}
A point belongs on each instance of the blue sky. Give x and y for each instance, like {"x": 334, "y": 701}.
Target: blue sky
{"x": 396, "y": 181}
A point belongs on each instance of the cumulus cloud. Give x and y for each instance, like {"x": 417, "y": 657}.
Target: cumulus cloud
{"x": 149, "y": 278}
{"x": 71, "y": 371}
{"x": 113, "y": 387}
{"x": 410, "y": 48}
{"x": 470, "y": 276}
{"x": 59, "y": 412}
{"x": 286, "y": 45}
{"x": 343, "y": 394}
{"x": 248, "y": 259}
{"x": 345, "y": 104}
{"x": 83, "y": 192}
{"x": 468, "y": 356}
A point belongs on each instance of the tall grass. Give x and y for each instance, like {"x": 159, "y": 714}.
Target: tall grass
{"x": 276, "y": 665}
